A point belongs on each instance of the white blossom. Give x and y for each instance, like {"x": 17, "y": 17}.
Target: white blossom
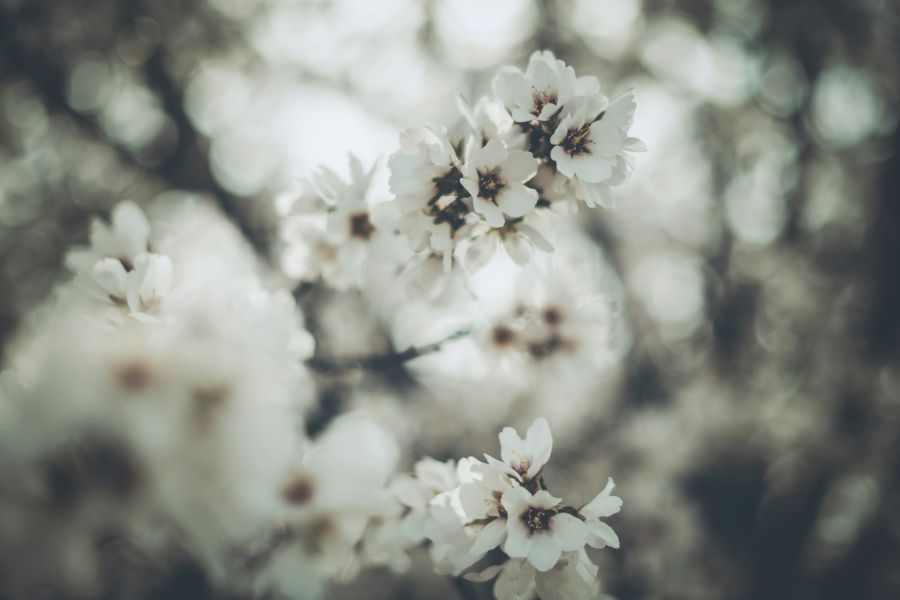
{"x": 539, "y": 93}
{"x": 495, "y": 176}
{"x": 425, "y": 179}
{"x": 589, "y": 145}
{"x": 148, "y": 285}
{"x": 336, "y": 231}
{"x": 603, "y": 505}
{"x": 524, "y": 458}
{"x": 126, "y": 236}
{"x": 538, "y": 530}
{"x": 517, "y": 237}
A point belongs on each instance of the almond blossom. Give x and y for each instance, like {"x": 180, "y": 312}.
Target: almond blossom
{"x": 505, "y": 504}
{"x": 539, "y": 93}
{"x": 589, "y": 145}
{"x": 538, "y": 530}
{"x": 495, "y": 175}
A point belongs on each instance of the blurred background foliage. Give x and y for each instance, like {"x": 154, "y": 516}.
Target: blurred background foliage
{"x": 754, "y": 426}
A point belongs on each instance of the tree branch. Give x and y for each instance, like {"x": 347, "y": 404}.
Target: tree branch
{"x": 338, "y": 365}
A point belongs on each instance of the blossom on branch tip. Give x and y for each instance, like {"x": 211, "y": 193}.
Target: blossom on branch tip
{"x": 524, "y": 458}
{"x": 538, "y": 93}
{"x": 603, "y": 505}
{"x": 589, "y": 143}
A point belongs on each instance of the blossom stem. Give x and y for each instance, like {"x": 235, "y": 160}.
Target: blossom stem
{"x": 376, "y": 362}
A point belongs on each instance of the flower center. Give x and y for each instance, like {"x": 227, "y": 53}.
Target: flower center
{"x": 489, "y": 184}
{"x": 552, "y": 316}
{"x": 444, "y": 206}
{"x": 576, "y": 141}
{"x": 542, "y": 98}
{"x": 360, "y": 226}
{"x": 537, "y": 519}
{"x": 503, "y": 335}
{"x": 299, "y": 491}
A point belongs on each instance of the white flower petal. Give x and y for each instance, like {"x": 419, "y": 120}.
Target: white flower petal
{"x": 607, "y": 140}
{"x": 592, "y": 168}
{"x": 520, "y": 166}
{"x": 543, "y": 76}
{"x": 131, "y": 223}
{"x": 518, "y": 249}
{"x": 597, "y": 194}
{"x": 562, "y": 130}
{"x": 570, "y": 531}
{"x": 491, "y": 213}
{"x": 635, "y": 145}
{"x": 491, "y": 156}
{"x": 480, "y": 251}
{"x": 511, "y": 445}
{"x": 601, "y": 535}
{"x": 471, "y": 185}
{"x": 604, "y": 504}
{"x": 516, "y": 581}
{"x": 521, "y": 116}
{"x": 540, "y": 443}
{"x": 536, "y": 237}
{"x": 485, "y": 575}
{"x": 516, "y": 501}
{"x": 517, "y": 200}
{"x": 518, "y": 539}
{"x": 110, "y": 275}
{"x": 512, "y": 87}
{"x": 544, "y": 553}
{"x": 563, "y": 161}
{"x": 544, "y": 499}
{"x": 490, "y": 536}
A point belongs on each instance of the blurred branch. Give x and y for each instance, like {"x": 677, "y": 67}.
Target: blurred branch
{"x": 381, "y": 361}
{"x": 188, "y": 164}
{"x": 186, "y": 167}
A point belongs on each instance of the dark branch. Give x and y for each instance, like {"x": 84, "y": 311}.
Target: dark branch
{"x": 380, "y": 361}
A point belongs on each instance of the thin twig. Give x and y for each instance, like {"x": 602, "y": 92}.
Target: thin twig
{"x": 380, "y": 361}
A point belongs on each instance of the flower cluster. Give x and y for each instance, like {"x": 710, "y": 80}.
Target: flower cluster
{"x": 547, "y": 136}
{"x": 160, "y": 398}
{"x": 544, "y": 140}
{"x": 505, "y": 504}
{"x": 177, "y": 428}
{"x": 118, "y": 268}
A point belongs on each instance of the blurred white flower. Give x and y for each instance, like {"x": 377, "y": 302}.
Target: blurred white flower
{"x": 337, "y": 490}
{"x": 451, "y": 539}
{"x": 123, "y": 239}
{"x": 517, "y": 237}
{"x": 149, "y": 285}
{"x": 341, "y": 231}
